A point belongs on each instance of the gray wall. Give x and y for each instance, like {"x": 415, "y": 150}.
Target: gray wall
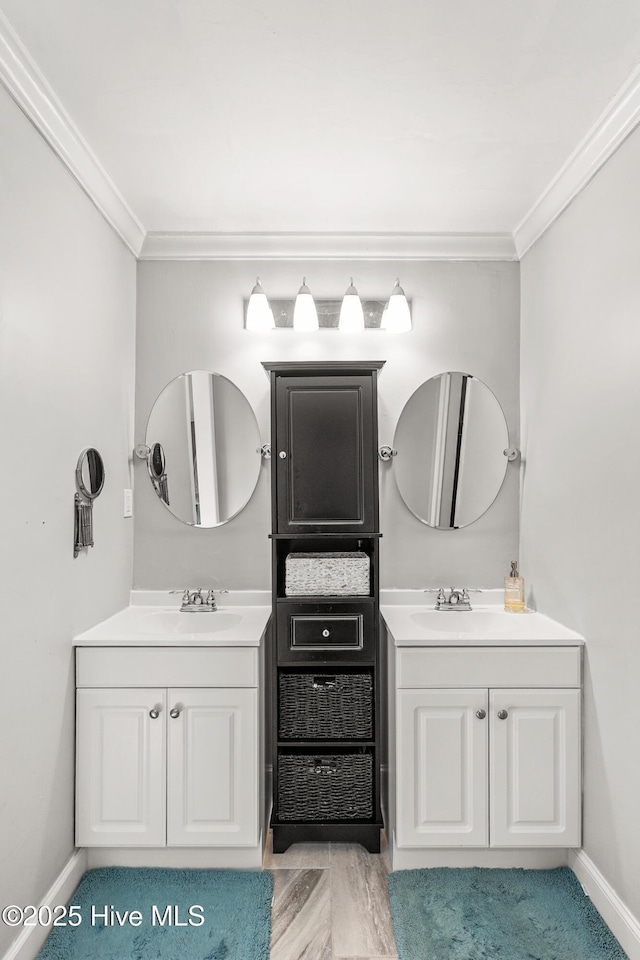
{"x": 67, "y": 314}
{"x": 190, "y": 315}
{"x": 580, "y": 522}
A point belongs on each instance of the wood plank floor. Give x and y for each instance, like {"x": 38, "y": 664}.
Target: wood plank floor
{"x": 330, "y": 903}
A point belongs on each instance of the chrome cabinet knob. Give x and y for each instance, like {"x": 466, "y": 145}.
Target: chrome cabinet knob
{"x": 502, "y": 714}
{"x": 175, "y": 713}
{"x": 326, "y": 633}
{"x": 481, "y": 714}
{"x": 154, "y": 713}
{"x": 283, "y": 454}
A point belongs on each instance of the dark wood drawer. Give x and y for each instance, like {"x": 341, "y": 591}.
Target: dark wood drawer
{"x": 325, "y": 632}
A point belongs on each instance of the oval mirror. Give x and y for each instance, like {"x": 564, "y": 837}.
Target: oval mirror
{"x": 204, "y": 448}
{"x": 90, "y": 473}
{"x": 451, "y": 440}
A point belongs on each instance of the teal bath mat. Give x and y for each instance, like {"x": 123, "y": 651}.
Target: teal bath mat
{"x": 150, "y": 914}
{"x": 479, "y": 914}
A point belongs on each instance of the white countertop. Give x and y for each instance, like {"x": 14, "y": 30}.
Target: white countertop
{"x": 487, "y": 624}
{"x": 154, "y": 619}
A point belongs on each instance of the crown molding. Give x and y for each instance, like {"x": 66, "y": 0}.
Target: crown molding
{"x": 30, "y": 90}
{"x": 327, "y": 246}
{"x": 613, "y": 126}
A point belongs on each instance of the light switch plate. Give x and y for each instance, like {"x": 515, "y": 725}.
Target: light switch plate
{"x": 128, "y": 503}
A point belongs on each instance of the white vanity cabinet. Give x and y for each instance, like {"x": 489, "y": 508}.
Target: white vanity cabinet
{"x": 167, "y": 747}
{"x": 485, "y": 747}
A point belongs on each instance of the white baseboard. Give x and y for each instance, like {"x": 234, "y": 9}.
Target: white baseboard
{"x": 184, "y": 858}
{"x": 413, "y": 858}
{"x": 622, "y": 923}
{"x": 27, "y": 945}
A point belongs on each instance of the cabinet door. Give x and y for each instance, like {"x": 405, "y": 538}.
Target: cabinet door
{"x": 120, "y": 767}
{"x": 535, "y": 768}
{"x": 212, "y": 779}
{"x": 442, "y": 768}
{"x": 325, "y": 455}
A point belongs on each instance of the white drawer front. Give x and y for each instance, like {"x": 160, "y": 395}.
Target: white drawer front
{"x": 488, "y": 667}
{"x": 166, "y": 667}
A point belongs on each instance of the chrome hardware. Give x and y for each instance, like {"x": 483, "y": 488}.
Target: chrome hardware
{"x": 324, "y": 767}
{"x": 194, "y": 602}
{"x": 283, "y": 454}
{"x": 265, "y": 451}
{"x": 511, "y": 453}
{"x": 326, "y": 633}
{"x": 154, "y": 713}
{"x": 387, "y": 453}
{"x": 457, "y": 599}
{"x": 502, "y": 714}
{"x": 481, "y": 714}
{"x": 175, "y": 713}
{"x": 89, "y": 483}
{"x": 324, "y": 683}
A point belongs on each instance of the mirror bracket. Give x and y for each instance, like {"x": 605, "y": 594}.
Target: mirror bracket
{"x": 511, "y": 453}
{"x": 265, "y": 451}
{"x": 142, "y": 451}
{"x": 386, "y": 453}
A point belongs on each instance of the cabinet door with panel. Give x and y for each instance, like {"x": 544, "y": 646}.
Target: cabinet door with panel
{"x": 167, "y": 767}
{"x": 442, "y": 768}
{"x": 535, "y": 768}
{"x": 499, "y": 768}
{"x": 212, "y": 786}
{"x": 120, "y": 767}
{"x": 325, "y": 454}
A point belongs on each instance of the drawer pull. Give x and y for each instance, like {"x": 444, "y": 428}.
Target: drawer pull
{"x": 175, "y": 713}
{"x": 481, "y": 714}
{"x": 324, "y": 767}
{"x": 154, "y": 713}
{"x": 324, "y": 683}
{"x": 502, "y": 714}
{"x": 326, "y": 633}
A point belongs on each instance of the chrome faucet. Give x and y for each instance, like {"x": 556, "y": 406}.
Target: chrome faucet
{"x": 457, "y": 600}
{"x": 194, "y": 602}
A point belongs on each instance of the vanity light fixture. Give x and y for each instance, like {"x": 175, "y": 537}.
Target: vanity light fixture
{"x": 351, "y": 313}
{"x": 396, "y": 317}
{"x": 305, "y": 315}
{"x": 259, "y": 313}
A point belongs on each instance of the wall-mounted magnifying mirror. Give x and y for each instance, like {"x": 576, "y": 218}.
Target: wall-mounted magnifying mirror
{"x": 202, "y": 448}
{"x": 89, "y": 482}
{"x": 452, "y": 446}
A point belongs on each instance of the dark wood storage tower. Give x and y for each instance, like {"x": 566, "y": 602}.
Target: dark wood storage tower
{"x": 326, "y": 667}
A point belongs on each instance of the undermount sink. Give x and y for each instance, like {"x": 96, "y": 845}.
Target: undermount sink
{"x": 415, "y": 625}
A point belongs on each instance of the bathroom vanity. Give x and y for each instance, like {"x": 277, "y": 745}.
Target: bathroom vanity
{"x": 169, "y": 748}
{"x": 484, "y": 737}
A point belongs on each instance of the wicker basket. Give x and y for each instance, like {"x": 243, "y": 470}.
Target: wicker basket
{"x": 326, "y": 574}
{"x": 325, "y": 787}
{"x": 326, "y": 707}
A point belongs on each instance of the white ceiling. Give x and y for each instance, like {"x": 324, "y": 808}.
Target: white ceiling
{"x": 411, "y": 116}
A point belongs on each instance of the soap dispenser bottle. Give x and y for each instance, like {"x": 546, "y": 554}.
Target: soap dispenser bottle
{"x": 514, "y": 590}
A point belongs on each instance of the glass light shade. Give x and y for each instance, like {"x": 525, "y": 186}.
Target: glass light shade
{"x": 259, "y": 313}
{"x": 396, "y": 317}
{"x": 305, "y": 315}
{"x": 351, "y": 312}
